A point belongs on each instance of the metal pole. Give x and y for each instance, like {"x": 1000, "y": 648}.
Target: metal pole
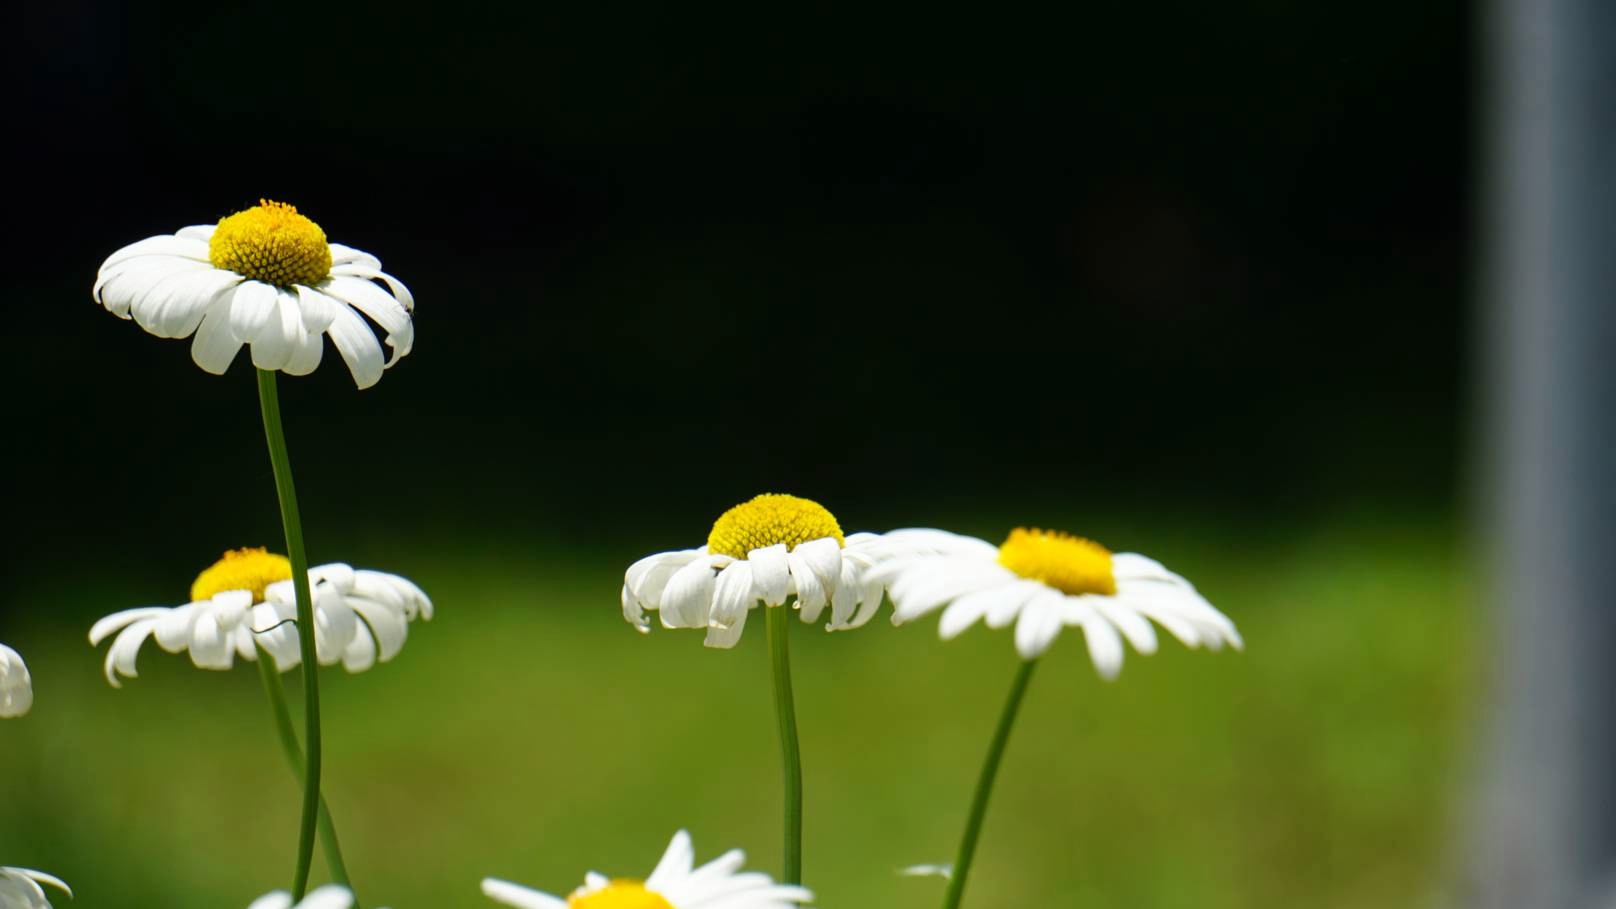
{"x": 1545, "y": 831}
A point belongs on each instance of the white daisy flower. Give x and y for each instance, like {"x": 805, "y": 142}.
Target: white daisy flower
{"x": 266, "y": 278}
{"x": 20, "y": 888}
{"x": 330, "y": 896}
{"x": 674, "y": 884}
{"x": 16, "y": 686}
{"x": 769, "y": 550}
{"x": 1046, "y": 580}
{"x": 361, "y": 617}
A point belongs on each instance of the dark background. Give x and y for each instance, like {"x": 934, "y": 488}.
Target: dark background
{"x": 901, "y": 259}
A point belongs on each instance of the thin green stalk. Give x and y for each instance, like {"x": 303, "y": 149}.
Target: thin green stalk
{"x": 269, "y": 402}
{"x": 984, "y": 786}
{"x": 276, "y": 691}
{"x": 777, "y": 625}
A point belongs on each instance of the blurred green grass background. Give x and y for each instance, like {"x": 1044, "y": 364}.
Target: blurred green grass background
{"x": 528, "y": 733}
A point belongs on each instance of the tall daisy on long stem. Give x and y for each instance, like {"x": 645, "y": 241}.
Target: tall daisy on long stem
{"x": 1044, "y": 581}
{"x": 772, "y": 551}
{"x": 244, "y": 605}
{"x": 268, "y": 279}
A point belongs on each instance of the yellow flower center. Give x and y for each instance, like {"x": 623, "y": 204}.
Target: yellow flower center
{"x": 620, "y": 894}
{"x": 272, "y": 243}
{"x": 1067, "y": 563}
{"x": 241, "y": 569}
{"x": 770, "y": 519}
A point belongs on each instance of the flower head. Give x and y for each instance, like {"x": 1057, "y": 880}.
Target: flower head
{"x": 267, "y": 278}
{"x": 16, "y": 687}
{"x": 768, "y": 550}
{"x": 674, "y": 884}
{"x": 20, "y": 888}
{"x": 246, "y": 598}
{"x": 1046, "y": 580}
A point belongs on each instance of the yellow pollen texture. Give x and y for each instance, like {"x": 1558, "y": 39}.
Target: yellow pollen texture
{"x": 241, "y": 569}
{"x": 272, "y": 243}
{"x": 1069, "y": 564}
{"x": 770, "y": 519}
{"x": 620, "y": 894}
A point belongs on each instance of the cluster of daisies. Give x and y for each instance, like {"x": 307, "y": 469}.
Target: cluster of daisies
{"x": 268, "y": 280}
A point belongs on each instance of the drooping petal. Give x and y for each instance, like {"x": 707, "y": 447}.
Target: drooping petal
{"x": 771, "y": 574}
{"x": 381, "y": 307}
{"x": 252, "y": 308}
{"x": 688, "y": 596}
{"x": 1040, "y": 622}
{"x": 216, "y": 344}
{"x": 725, "y": 636}
{"x": 733, "y": 594}
{"x": 358, "y": 346}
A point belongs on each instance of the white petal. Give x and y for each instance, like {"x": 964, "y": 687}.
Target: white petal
{"x": 358, "y": 346}
{"x": 633, "y": 613}
{"x": 174, "y": 305}
{"x": 330, "y": 896}
{"x": 521, "y": 897}
{"x": 1004, "y": 610}
{"x": 252, "y": 309}
{"x": 125, "y": 647}
{"x": 306, "y": 355}
{"x": 210, "y": 648}
{"x": 120, "y": 289}
{"x": 379, "y": 306}
{"x": 215, "y": 344}
{"x": 733, "y": 594}
{"x": 688, "y": 597}
{"x": 1133, "y": 625}
{"x": 1105, "y": 645}
{"x": 281, "y": 336}
{"x": 1039, "y": 624}
{"x": 809, "y": 588}
{"x": 824, "y": 557}
{"x": 968, "y": 609}
{"x": 173, "y": 628}
{"x": 360, "y": 654}
{"x": 724, "y": 637}
{"x": 389, "y": 626}
{"x": 346, "y": 255}
{"x": 108, "y": 624}
{"x": 165, "y": 245}
{"x": 771, "y": 575}
{"x": 676, "y": 862}
{"x": 318, "y": 309}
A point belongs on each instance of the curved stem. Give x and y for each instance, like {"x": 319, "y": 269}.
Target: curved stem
{"x": 269, "y": 402}
{"x": 984, "y": 786}
{"x": 276, "y": 692}
{"x": 777, "y": 624}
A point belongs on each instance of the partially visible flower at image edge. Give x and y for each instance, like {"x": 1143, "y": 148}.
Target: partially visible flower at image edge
{"x": 266, "y": 278}
{"x": 329, "y": 896}
{"x": 675, "y": 883}
{"x": 1044, "y": 581}
{"x": 361, "y": 616}
{"x": 767, "y": 550}
{"x": 16, "y": 686}
{"x": 20, "y": 888}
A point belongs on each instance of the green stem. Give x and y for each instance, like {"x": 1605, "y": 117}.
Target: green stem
{"x": 276, "y": 692}
{"x": 269, "y": 402}
{"x": 777, "y": 625}
{"x": 984, "y": 786}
